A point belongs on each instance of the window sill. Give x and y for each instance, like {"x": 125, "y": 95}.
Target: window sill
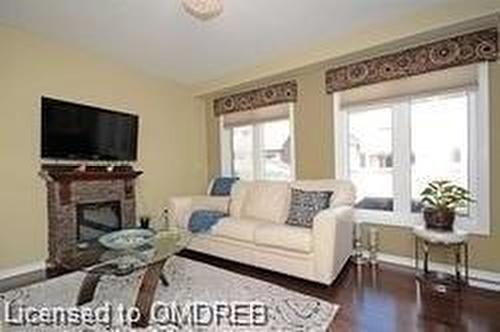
{"x": 392, "y": 219}
{"x": 383, "y": 218}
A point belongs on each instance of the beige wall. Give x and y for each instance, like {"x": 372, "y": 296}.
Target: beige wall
{"x": 171, "y": 142}
{"x": 315, "y": 152}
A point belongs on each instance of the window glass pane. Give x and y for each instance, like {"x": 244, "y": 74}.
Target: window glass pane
{"x": 371, "y": 157}
{"x": 275, "y": 150}
{"x": 242, "y": 141}
{"x": 439, "y": 136}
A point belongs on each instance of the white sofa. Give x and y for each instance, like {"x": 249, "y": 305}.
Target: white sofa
{"x": 255, "y": 232}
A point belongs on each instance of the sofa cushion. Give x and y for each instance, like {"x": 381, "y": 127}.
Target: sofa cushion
{"x": 284, "y": 237}
{"x": 238, "y": 195}
{"x": 222, "y": 186}
{"x": 267, "y": 201}
{"x": 305, "y": 205}
{"x": 237, "y": 229}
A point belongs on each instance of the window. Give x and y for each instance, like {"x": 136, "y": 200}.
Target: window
{"x": 243, "y": 151}
{"x": 392, "y": 148}
{"x": 260, "y": 146}
{"x": 370, "y": 157}
{"x": 444, "y": 117}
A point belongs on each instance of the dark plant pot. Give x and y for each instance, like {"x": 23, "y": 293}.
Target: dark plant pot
{"x": 439, "y": 219}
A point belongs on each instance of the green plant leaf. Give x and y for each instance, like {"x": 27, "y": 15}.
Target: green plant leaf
{"x": 443, "y": 194}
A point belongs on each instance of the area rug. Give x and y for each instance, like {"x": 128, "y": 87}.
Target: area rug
{"x": 191, "y": 285}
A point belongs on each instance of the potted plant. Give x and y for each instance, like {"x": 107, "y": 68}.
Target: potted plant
{"x": 440, "y": 200}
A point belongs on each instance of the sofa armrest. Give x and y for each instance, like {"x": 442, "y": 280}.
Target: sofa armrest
{"x": 332, "y": 241}
{"x": 180, "y": 208}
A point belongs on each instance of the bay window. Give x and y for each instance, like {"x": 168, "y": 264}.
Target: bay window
{"x": 395, "y": 138}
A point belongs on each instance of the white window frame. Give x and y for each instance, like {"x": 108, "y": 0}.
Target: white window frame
{"x": 479, "y": 160}
{"x": 226, "y": 146}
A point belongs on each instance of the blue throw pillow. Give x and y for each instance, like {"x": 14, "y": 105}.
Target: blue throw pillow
{"x": 201, "y": 221}
{"x": 222, "y": 186}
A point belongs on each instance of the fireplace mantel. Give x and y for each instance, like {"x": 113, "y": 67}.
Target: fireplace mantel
{"x": 93, "y": 173}
{"x": 71, "y": 176}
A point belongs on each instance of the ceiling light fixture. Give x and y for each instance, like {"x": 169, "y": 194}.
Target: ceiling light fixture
{"x": 203, "y": 9}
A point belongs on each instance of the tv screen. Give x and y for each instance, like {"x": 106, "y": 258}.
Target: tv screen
{"x": 73, "y": 131}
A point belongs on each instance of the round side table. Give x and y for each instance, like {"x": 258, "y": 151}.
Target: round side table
{"x": 456, "y": 240}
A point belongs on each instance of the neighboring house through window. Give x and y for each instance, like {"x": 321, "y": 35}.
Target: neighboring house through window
{"x": 258, "y": 144}
{"x": 393, "y": 138}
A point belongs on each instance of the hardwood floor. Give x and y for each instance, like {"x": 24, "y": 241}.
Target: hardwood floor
{"x": 386, "y": 298}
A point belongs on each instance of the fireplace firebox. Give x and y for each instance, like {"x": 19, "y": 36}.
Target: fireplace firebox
{"x": 96, "y": 219}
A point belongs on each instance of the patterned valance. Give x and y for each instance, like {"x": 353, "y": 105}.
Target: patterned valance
{"x": 271, "y": 95}
{"x": 456, "y": 51}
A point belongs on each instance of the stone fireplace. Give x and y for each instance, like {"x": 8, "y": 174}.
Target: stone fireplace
{"x": 83, "y": 205}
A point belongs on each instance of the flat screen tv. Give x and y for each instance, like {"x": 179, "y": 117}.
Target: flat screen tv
{"x": 73, "y": 131}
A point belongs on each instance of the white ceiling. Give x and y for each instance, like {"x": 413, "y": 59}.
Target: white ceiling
{"x": 159, "y": 37}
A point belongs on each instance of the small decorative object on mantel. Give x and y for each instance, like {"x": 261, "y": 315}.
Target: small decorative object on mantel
{"x": 110, "y": 168}
{"x": 82, "y": 167}
{"x": 441, "y": 200}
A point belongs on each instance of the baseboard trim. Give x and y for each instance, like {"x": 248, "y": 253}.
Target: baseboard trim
{"x": 26, "y": 268}
{"x": 477, "y": 278}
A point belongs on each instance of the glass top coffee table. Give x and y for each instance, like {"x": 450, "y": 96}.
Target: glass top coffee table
{"x": 125, "y": 253}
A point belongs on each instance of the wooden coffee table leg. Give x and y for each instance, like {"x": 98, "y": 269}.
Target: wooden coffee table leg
{"x": 87, "y": 288}
{"x": 147, "y": 290}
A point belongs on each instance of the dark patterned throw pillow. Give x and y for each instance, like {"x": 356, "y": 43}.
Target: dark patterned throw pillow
{"x": 305, "y": 205}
